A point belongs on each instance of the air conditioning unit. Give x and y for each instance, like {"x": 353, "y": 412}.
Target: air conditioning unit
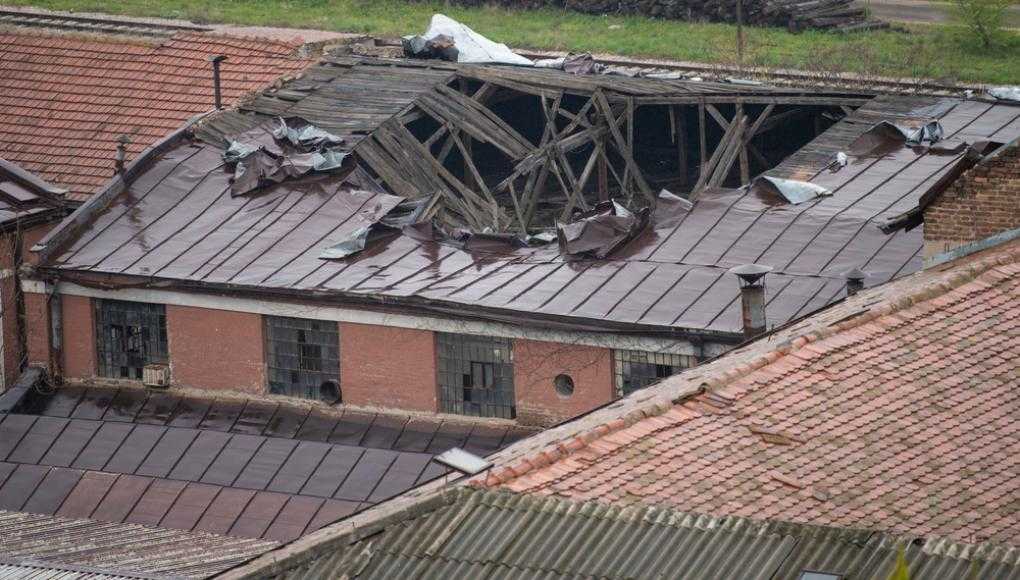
{"x": 156, "y": 376}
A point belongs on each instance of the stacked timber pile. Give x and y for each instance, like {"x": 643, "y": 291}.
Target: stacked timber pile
{"x": 796, "y": 15}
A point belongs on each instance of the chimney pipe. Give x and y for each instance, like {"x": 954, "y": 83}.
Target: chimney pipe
{"x": 854, "y": 281}
{"x": 216, "y": 59}
{"x": 121, "y": 155}
{"x": 752, "y": 297}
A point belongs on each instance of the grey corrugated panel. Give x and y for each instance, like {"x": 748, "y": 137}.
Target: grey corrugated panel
{"x": 484, "y": 534}
{"x": 121, "y": 547}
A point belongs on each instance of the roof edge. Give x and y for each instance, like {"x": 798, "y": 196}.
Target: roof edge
{"x": 716, "y": 383}
{"x": 73, "y": 223}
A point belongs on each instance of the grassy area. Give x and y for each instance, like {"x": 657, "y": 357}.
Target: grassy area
{"x": 942, "y": 52}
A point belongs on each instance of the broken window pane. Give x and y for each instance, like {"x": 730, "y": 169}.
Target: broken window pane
{"x": 129, "y": 335}
{"x": 637, "y": 369}
{"x": 302, "y": 356}
{"x": 476, "y": 375}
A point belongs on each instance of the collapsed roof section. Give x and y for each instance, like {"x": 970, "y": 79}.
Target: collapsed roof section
{"x": 512, "y": 155}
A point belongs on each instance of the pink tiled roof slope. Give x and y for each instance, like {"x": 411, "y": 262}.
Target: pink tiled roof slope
{"x": 897, "y": 410}
{"x": 64, "y": 100}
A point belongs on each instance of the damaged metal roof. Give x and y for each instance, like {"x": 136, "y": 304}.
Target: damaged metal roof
{"x": 467, "y": 533}
{"x": 178, "y": 224}
{"x": 25, "y": 198}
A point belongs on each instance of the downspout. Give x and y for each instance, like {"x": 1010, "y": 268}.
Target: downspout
{"x": 20, "y": 325}
{"x": 54, "y": 305}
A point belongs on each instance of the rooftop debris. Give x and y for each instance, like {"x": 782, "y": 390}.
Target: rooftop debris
{"x": 1006, "y": 93}
{"x": 886, "y": 136}
{"x": 599, "y": 231}
{"x": 791, "y": 190}
{"x": 259, "y": 162}
{"x": 450, "y": 40}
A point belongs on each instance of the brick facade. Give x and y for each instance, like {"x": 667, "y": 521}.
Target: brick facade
{"x": 216, "y": 349}
{"x": 536, "y": 366}
{"x": 385, "y": 366}
{"x": 983, "y": 202}
{"x": 380, "y": 366}
{"x": 8, "y": 305}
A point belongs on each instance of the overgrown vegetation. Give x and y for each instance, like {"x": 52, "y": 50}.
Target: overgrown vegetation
{"x": 985, "y": 18}
{"x": 946, "y": 53}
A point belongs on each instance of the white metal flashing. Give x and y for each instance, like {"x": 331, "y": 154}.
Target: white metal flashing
{"x": 358, "y": 316}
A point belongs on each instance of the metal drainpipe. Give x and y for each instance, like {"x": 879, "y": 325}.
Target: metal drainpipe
{"x": 56, "y": 311}
{"x": 752, "y": 297}
{"x": 217, "y": 97}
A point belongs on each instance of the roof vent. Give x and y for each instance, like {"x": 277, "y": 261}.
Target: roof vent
{"x": 854, "y": 281}
{"x": 216, "y": 59}
{"x": 462, "y": 461}
{"x": 121, "y": 156}
{"x": 752, "y": 297}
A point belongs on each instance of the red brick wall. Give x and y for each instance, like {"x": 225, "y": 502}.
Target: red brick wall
{"x": 983, "y": 202}
{"x": 388, "y": 367}
{"x": 216, "y": 349}
{"x": 38, "y": 318}
{"x": 79, "y": 337}
{"x": 536, "y": 365}
{"x": 8, "y": 306}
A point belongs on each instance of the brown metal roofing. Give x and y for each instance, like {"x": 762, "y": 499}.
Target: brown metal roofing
{"x": 239, "y": 468}
{"x": 41, "y": 546}
{"x": 25, "y": 197}
{"x": 477, "y": 534}
{"x": 177, "y": 222}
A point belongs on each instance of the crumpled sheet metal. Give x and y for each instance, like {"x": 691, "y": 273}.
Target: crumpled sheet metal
{"x": 599, "y": 231}
{"x": 301, "y": 133}
{"x": 790, "y": 190}
{"x": 467, "y": 45}
{"x": 372, "y": 229}
{"x": 1005, "y": 93}
{"x": 574, "y": 63}
{"x": 258, "y": 161}
{"x": 885, "y": 137}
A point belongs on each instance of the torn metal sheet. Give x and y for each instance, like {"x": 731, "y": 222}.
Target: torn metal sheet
{"x": 573, "y": 63}
{"x": 599, "y": 231}
{"x": 885, "y": 137}
{"x": 301, "y": 133}
{"x": 791, "y": 190}
{"x": 1005, "y": 93}
{"x": 373, "y": 228}
{"x": 460, "y": 44}
{"x": 670, "y": 209}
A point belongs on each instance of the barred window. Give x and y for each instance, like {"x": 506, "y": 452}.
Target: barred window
{"x": 637, "y": 369}
{"x": 303, "y": 358}
{"x": 129, "y": 335}
{"x": 476, "y": 375}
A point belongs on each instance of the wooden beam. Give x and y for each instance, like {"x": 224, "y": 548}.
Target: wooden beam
{"x": 732, "y": 150}
{"x": 745, "y": 165}
{"x": 621, "y": 145}
{"x": 718, "y": 117}
{"x": 681, "y": 142}
{"x": 702, "y": 143}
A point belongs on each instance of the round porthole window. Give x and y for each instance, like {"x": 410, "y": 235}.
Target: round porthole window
{"x": 564, "y": 385}
{"x": 329, "y": 392}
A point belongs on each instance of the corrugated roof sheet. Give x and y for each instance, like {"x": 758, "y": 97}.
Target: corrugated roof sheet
{"x": 480, "y": 534}
{"x": 64, "y": 100}
{"x": 178, "y": 223}
{"x": 895, "y": 410}
{"x": 90, "y": 549}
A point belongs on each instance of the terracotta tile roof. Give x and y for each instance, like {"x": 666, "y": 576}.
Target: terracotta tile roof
{"x": 64, "y": 100}
{"x": 895, "y": 411}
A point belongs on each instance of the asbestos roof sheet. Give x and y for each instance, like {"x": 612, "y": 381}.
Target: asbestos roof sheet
{"x": 480, "y": 534}
{"x": 250, "y": 469}
{"x": 895, "y": 410}
{"x": 64, "y": 100}
{"x": 177, "y": 222}
{"x": 44, "y": 547}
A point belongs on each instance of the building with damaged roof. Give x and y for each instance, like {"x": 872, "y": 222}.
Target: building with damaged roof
{"x": 878, "y": 429}
{"x": 505, "y": 226}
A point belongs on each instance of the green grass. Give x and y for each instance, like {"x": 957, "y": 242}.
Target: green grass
{"x": 946, "y": 53}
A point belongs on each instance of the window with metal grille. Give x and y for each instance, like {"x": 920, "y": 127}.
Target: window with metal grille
{"x": 636, "y": 369}
{"x": 476, "y": 375}
{"x": 303, "y": 358}
{"x": 129, "y": 335}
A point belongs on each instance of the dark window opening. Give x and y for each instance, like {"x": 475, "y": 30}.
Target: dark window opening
{"x": 129, "y": 335}
{"x": 564, "y": 385}
{"x": 303, "y": 358}
{"x": 636, "y": 369}
{"x": 476, "y": 375}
